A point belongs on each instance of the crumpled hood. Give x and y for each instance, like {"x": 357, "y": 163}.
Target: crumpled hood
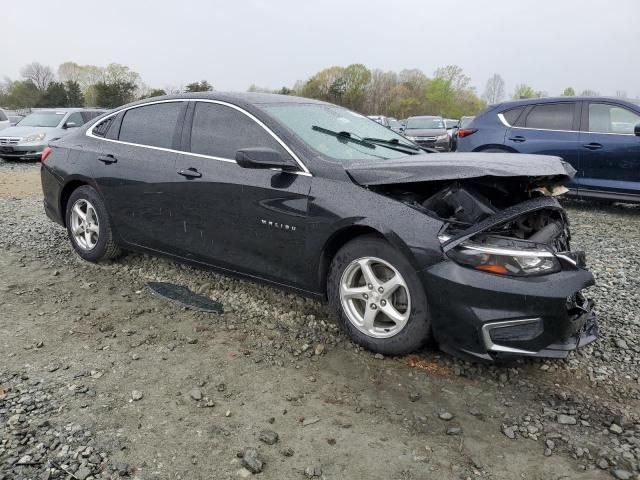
{"x": 26, "y": 131}
{"x": 458, "y": 166}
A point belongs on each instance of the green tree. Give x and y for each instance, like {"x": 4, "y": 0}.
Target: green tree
{"x": 111, "y": 95}
{"x": 202, "y": 86}
{"x": 525, "y": 91}
{"x": 22, "y": 94}
{"x": 54, "y": 96}
{"x": 569, "y": 92}
{"x": 154, "y": 92}
{"x": 75, "y": 98}
{"x": 356, "y": 77}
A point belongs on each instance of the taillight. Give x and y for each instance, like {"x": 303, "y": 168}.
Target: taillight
{"x": 465, "y": 132}
{"x": 45, "y": 154}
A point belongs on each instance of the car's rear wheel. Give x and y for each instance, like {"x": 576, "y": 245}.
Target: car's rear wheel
{"x": 89, "y": 227}
{"x": 378, "y": 297}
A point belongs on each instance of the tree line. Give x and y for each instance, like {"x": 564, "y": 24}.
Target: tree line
{"x": 448, "y": 92}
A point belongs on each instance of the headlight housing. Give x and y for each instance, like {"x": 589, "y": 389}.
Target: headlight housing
{"x": 34, "y": 137}
{"x": 518, "y": 258}
{"x": 442, "y": 137}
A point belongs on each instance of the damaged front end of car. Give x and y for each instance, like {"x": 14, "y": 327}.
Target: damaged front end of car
{"x": 509, "y": 284}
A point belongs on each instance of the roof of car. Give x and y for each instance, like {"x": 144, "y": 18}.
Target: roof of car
{"x": 528, "y": 101}
{"x": 67, "y": 109}
{"x": 425, "y": 116}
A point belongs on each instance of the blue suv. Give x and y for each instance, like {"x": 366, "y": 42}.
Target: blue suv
{"x": 599, "y": 136}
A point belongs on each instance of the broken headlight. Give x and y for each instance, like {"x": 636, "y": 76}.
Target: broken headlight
{"x": 519, "y": 258}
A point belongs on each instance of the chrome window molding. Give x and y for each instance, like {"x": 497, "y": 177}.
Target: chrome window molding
{"x": 494, "y": 347}
{"x": 304, "y": 171}
{"x": 506, "y": 124}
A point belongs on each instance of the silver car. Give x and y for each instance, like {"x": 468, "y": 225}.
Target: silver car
{"x": 27, "y": 139}
{"x": 4, "y": 120}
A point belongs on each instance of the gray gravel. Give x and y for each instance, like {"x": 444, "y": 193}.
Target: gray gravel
{"x": 584, "y": 408}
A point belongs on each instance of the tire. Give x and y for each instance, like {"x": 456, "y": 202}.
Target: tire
{"x": 382, "y": 336}
{"x": 495, "y": 150}
{"x": 95, "y": 243}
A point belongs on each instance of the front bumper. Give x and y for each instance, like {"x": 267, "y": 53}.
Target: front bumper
{"x": 22, "y": 152}
{"x": 440, "y": 145}
{"x": 485, "y": 316}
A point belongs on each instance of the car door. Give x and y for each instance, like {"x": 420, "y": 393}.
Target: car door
{"x": 547, "y": 129}
{"x": 609, "y": 149}
{"x": 248, "y": 220}
{"x": 134, "y": 171}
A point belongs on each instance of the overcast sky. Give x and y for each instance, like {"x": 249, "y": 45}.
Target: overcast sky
{"x": 548, "y": 44}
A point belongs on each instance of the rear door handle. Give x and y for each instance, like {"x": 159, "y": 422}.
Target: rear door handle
{"x": 592, "y": 146}
{"x": 190, "y": 173}
{"x": 108, "y": 159}
{"x": 518, "y": 138}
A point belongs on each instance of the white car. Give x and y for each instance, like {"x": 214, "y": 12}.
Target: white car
{"x": 4, "y": 120}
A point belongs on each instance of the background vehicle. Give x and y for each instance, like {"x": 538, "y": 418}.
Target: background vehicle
{"x": 428, "y": 131}
{"x": 27, "y": 139}
{"x": 598, "y": 136}
{"x": 314, "y": 197}
{"x": 388, "y": 122}
{"x": 462, "y": 123}
{"x": 4, "y": 120}
{"x": 452, "y": 126}
{"x": 14, "y": 119}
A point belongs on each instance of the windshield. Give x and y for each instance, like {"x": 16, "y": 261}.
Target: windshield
{"x": 425, "y": 122}
{"x": 451, "y": 123}
{"x": 393, "y": 123}
{"x": 42, "y": 119}
{"x": 312, "y": 121}
{"x": 464, "y": 121}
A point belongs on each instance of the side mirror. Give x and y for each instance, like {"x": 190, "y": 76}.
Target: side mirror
{"x": 636, "y": 130}
{"x": 70, "y": 125}
{"x": 263, "y": 158}
{"x": 402, "y": 128}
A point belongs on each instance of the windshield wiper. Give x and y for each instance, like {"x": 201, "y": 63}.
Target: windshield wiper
{"x": 344, "y": 136}
{"x": 394, "y": 144}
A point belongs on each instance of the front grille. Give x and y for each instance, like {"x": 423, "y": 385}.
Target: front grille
{"x": 10, "y": 140}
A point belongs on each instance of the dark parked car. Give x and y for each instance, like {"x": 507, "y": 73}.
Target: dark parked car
{"x": 405, "y": 245}
{"x": 388, "y": 122}
{"x": 599, "y": 136}
{"x": 462, "y": 123}
{"x": 428, "y": 131}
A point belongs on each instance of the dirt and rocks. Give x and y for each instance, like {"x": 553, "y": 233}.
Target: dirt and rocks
{"x": 101, "y": 380}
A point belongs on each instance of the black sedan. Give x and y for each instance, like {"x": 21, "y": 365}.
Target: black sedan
{"x": 471, "y": 250}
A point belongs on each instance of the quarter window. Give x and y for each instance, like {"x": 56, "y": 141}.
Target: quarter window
{"x": 604, "y": 118}
{"x": 152, "y": 125}
{"x": 511, "y": 116}
{"x": 220, "y": 131}
{"x": 553, "y": 116}
{"x": 102, "y": 128}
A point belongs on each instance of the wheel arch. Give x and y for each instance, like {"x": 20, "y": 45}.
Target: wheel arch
{"x": 497, "y": 146}
{"x": 346, "y": 234}
{"x": 69, "y": 187}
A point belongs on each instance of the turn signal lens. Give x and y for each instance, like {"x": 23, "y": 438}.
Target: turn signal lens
{"x": 500, "y": 269}
{"x": 45, "y": 154}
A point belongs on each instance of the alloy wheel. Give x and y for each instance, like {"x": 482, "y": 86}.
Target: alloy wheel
{"x": 375, "y": 297}
{"x": 85, "y": 226}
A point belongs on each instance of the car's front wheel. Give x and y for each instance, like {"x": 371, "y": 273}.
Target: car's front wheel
{"x": 89, "y": 227}
{"x": 378, "y": 297}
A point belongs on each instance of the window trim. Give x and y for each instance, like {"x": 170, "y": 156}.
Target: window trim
{"x": 528, "y": 109}
{"x": 584, "y": 127}
{"x": 304, "y": 170}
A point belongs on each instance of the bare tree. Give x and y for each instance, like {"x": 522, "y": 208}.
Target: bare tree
{"x": 494, "y": 90}
{"x": 39, "y": 74}
{"x": 621, "y": 94}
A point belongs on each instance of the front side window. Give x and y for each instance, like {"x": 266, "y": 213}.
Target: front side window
{"x": 553, "y": 116}
{"x": 42, "y": 119}
{"x": 605, "y": 118}
{"x": 76, "y": 119}
{"x": 152, "y": 125}
{"x": 311, "y": 122}
{"x": 220, "y": 131}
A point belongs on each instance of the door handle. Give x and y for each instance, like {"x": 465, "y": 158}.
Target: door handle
{"x": 592, "y": 146}
{"x": 107, "y": 159}
{"x": 518, "y": 138}
{"x": 190, "y": 173}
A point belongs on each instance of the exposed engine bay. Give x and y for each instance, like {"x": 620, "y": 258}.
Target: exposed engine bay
{"x": 462, "y": 204}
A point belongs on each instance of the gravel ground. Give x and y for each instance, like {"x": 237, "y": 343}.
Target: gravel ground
{"x": 100, "y": 380}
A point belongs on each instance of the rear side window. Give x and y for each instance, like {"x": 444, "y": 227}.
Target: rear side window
{"x": 511, "y": 116}
{"x": 605, "y": 118}
{"x": 553, "y": 116}
{"x": 220, "y": 131}
{"x": 152, "y": 125}
{"x": 101, "y": 129}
